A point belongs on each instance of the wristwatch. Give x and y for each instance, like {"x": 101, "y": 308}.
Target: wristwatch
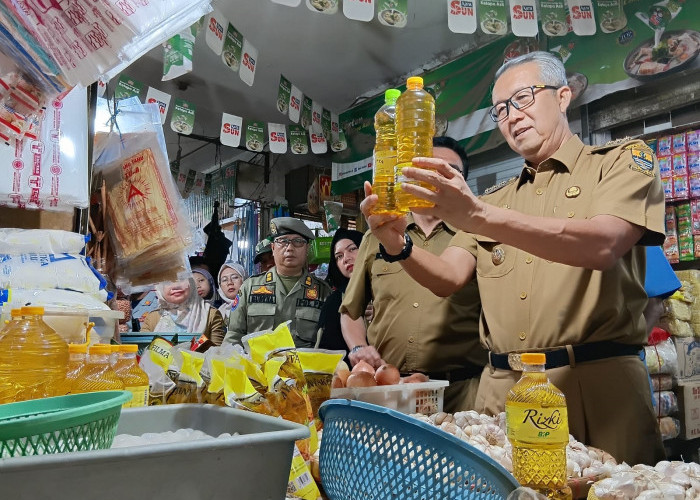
{"x": 356, "y": 348}
{"x": 403, "y": 255}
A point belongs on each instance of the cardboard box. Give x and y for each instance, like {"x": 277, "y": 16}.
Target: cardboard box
{"x": 689, "y": 404}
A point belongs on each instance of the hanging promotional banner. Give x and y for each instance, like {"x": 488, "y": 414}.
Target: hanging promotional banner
{"x": 208, "y": 179}
{"x": 182, "y": 119}
{"x": 461, "y": 16}
{"x": 233, "y": 48}
{"x": 392, "y": 13}
{"x": 177, "y": 53}
{"x": 295, "y": 98}
{"x": 181, "y": 179}
{"x": 101, "y": 87}
{"x": 358, "y": 10}
{"x": 216, "y": 27}
{"x": 335, "y": 127}
{"x": 189, "y": 183}
{"x": 523, "y": 18}
{"x": 316, "y": 114}
{"x": 283, "y": 93}
{"x": 198, "y": 185}
{"x": 553, "y": 14}
{"x": 306, "y": 112}
{"x": 582, "y": 19}
{"x": 346, "y": 177}
{"x": 341, "y": 144}
{"x": 231, "y": 126}
{"x": 277, "y": 135}
{"x": 493, "y": 17}
{"x": 611, "y": 15}
{"x": 255, "y": 136}
{"x": 290, "y": 3}
{"x": 162, "y": 99}
{"x": 127, "y": 87}
{"x": 326, "y": 123}
{"x": 323, "y": 6}
{"x": 249, "y": 61}
{"x": 319, "y": 145}
{"x": 298, "y": 141}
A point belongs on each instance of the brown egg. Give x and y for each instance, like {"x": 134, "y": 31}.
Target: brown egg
{"x": 363, "y": 366}
{"x": 387, "y": 375}
{"x": 342, "y": 375}
{"x": 337, "y": 382}
{"x": 415, "y": 378}
{"x": 361, "y": 379}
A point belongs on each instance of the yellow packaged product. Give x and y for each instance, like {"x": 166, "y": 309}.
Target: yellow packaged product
{"x": 264, "y": 345}
{"x": 214, "y": 393}
{"x": 189, "y": 382}
{"x": 677, "y": 309}
{"x": 676, "y": 327}
{"x": 155, "y": 361}
{"x": 240, "y": 393}
{"x": 318, "y": 366}
{"x": 301, "y": 482}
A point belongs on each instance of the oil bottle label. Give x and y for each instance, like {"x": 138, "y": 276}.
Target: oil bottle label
{"x": 536, "y": 424}
{"x": 139, "y": 397}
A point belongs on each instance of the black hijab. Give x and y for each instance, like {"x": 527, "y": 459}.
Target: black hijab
{"x": 335, "y": 277}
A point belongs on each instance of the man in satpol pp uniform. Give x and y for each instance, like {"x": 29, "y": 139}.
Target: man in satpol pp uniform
{"x": 285, "y": 292}
{"x": 263, "y": 254}
{"x": 558, "y": 253}
{"x": 412, "y": 328}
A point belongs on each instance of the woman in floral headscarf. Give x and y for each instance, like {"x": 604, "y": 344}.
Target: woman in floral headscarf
{"x": 231, "y": 277}
{"x": 182, "y": 310}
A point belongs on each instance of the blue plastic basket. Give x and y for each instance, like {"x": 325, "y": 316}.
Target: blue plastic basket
{"x": 372, "y": 452}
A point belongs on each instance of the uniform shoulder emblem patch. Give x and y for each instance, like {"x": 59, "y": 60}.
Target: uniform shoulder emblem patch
{"x": 263, "y": 290}
{"x": 643, "y": 161}
{"x": 307, "y": 281}
{"x": 268, "y": 277}
{"x": 312, "y": 293}
{"x": 500, "y": 185}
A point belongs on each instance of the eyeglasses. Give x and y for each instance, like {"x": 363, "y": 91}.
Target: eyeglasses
{"x": 349, "y": 250}
{"x": 295, "y": 242}
{"x": 233, "y": 278}
{"x": 520, "y": 100}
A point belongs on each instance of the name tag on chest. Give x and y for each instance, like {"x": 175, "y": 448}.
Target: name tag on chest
{"x": 316, "y": 304}
{"x": 261, "y": 299}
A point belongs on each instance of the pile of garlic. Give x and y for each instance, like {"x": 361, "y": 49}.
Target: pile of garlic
{"x": 488, "y": 434}
{"x": 668, "y": 480}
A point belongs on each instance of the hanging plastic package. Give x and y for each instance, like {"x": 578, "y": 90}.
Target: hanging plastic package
{"x": 177, "y": 53}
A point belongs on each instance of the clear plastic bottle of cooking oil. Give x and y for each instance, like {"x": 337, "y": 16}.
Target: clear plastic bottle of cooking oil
{"x": 134, "y": 378}
{"x": 77, "y": 359}
{"x": 385, "y": 154}
{"x": 33, "y": 359}
{"x": 538, "y": 429}
{"x": 98, "y": 374}
{"x": 415, "y": 128}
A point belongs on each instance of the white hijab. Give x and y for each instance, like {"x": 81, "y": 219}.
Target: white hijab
{"x": 226, "y": 308}
{"x": 190, "y": 316}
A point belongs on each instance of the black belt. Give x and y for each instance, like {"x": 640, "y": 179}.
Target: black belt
{"x": 458, "y": 374}
{"x": 560, "y": 357}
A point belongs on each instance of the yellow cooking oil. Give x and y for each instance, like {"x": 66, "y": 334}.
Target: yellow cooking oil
{"x": 134, "y": 378}
{"x": 77, "y": 359}
{"x": 98, "y": 374}
{"x": 415, "y": 128}
{"x": 538, "y": 430}
{"x": 385, "y": 154}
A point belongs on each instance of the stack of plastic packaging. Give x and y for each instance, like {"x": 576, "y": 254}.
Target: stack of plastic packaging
{"x": 662, "y": 363}
{"x": 149, "y": 229}
{"x": 678, "y": 313}
{"x": 56, "y": 46}
{"x": 690, "y": 289}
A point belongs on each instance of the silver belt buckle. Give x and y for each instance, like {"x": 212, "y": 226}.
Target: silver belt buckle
{"x": 515, "y": 362}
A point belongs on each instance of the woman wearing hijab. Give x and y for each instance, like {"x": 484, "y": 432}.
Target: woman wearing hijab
{"x": 343, "y": 253}
{"x": 231, "y": 277}
{"x": 181, "y": 309}
{"x": 206, "y": 288}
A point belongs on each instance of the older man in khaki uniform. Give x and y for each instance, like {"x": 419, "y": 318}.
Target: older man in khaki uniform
{"x": 558, "y": 254}
{"x": 412, "y": 328}
{"x": 285, "y": 292}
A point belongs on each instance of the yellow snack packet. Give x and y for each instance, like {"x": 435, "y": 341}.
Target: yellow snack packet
{"x": 318, "y": 366}
{"x": 189, "y": 382}
{"x": 264, "y": 345}
{"x": 254, "y": 373}
{"x": 215, "y": 390}
{"x": 301, "y": 482}
{"x": 240, "y": 393}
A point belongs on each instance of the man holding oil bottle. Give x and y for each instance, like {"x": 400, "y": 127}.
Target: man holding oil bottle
{"x": 558, "y": 253}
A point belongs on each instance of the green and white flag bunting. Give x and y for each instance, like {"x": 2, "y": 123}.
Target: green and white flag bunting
{"x": 393, "y": 13}
{"x": 298, "y": 141}
{"x": 277, "y": 136}
{"x": 181, "y": 179}
{"x": 339, "y": 144}
{"x": 290, "y": 3}
{"x": 198, "y": 186}
{"x": 493, "y": 17}
{"x": 335, "y": 127}
{"x": 323, "y": 6}
{"x": 255, "y": 136}
{"x": 316, "y": 114}
{"x": 177, "y": 53}
{"x": 189, "y": 183}
{"x": 231, "y": 126}
{"x": 326, "y": 123}
{"x": 233, "y": 48}
{"x": 283, "y": 93}
{"x": 127, "y": 87}
{"x": 182, "y": 119}
{"x": 553, "y": 14}
{"x": 248, "y": 63}
{"x": 523, "y": 18}
{"x": 216, "y": 28}
{"x": 161, "y": 99}
{"x": 359, "y": 10}
{"x": 306, "y": 112}
{"x": 319, "y": 145}
{"x": 295, "y": 98}
{"x": 461, "y": 16}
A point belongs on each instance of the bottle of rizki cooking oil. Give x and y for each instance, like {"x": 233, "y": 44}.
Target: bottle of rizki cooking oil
{"x": 538, "y": 429}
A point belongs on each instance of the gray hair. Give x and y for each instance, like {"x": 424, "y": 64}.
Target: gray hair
{"x": 552, "y": 69}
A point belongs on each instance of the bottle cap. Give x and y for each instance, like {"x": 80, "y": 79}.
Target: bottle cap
{"x": 414, "y": 82}
{"x": 15, "y": 313}
{"x": 391, "y": 95}
{"x": 100, "y": 349}
{"x": 33, "y": 310}
{"x": 533, "y": 358}
{"x": 129, "y": 348}
{"x": 77, "y": 348}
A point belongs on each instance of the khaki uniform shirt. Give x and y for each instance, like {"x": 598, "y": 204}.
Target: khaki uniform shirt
{"x": 529, "y": 302}
{"x": 412, "y": 328}
{"x": 264, "y": 304}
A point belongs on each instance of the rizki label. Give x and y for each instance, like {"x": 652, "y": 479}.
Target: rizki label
{"x": 537, "y": 424}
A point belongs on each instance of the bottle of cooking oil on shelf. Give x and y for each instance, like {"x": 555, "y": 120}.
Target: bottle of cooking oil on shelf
{"x": 134, "y": 378}
{"x": 33, "y": 358}
{"x": 98, "y": 374}
{"x": 385, "y": 154}
{"x": 538, "y": 429}
{"x": 415, "y": 128}
{"x": 76, "y": 365}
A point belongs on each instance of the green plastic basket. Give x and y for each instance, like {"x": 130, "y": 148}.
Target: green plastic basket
{"x": 76, "y": 422}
